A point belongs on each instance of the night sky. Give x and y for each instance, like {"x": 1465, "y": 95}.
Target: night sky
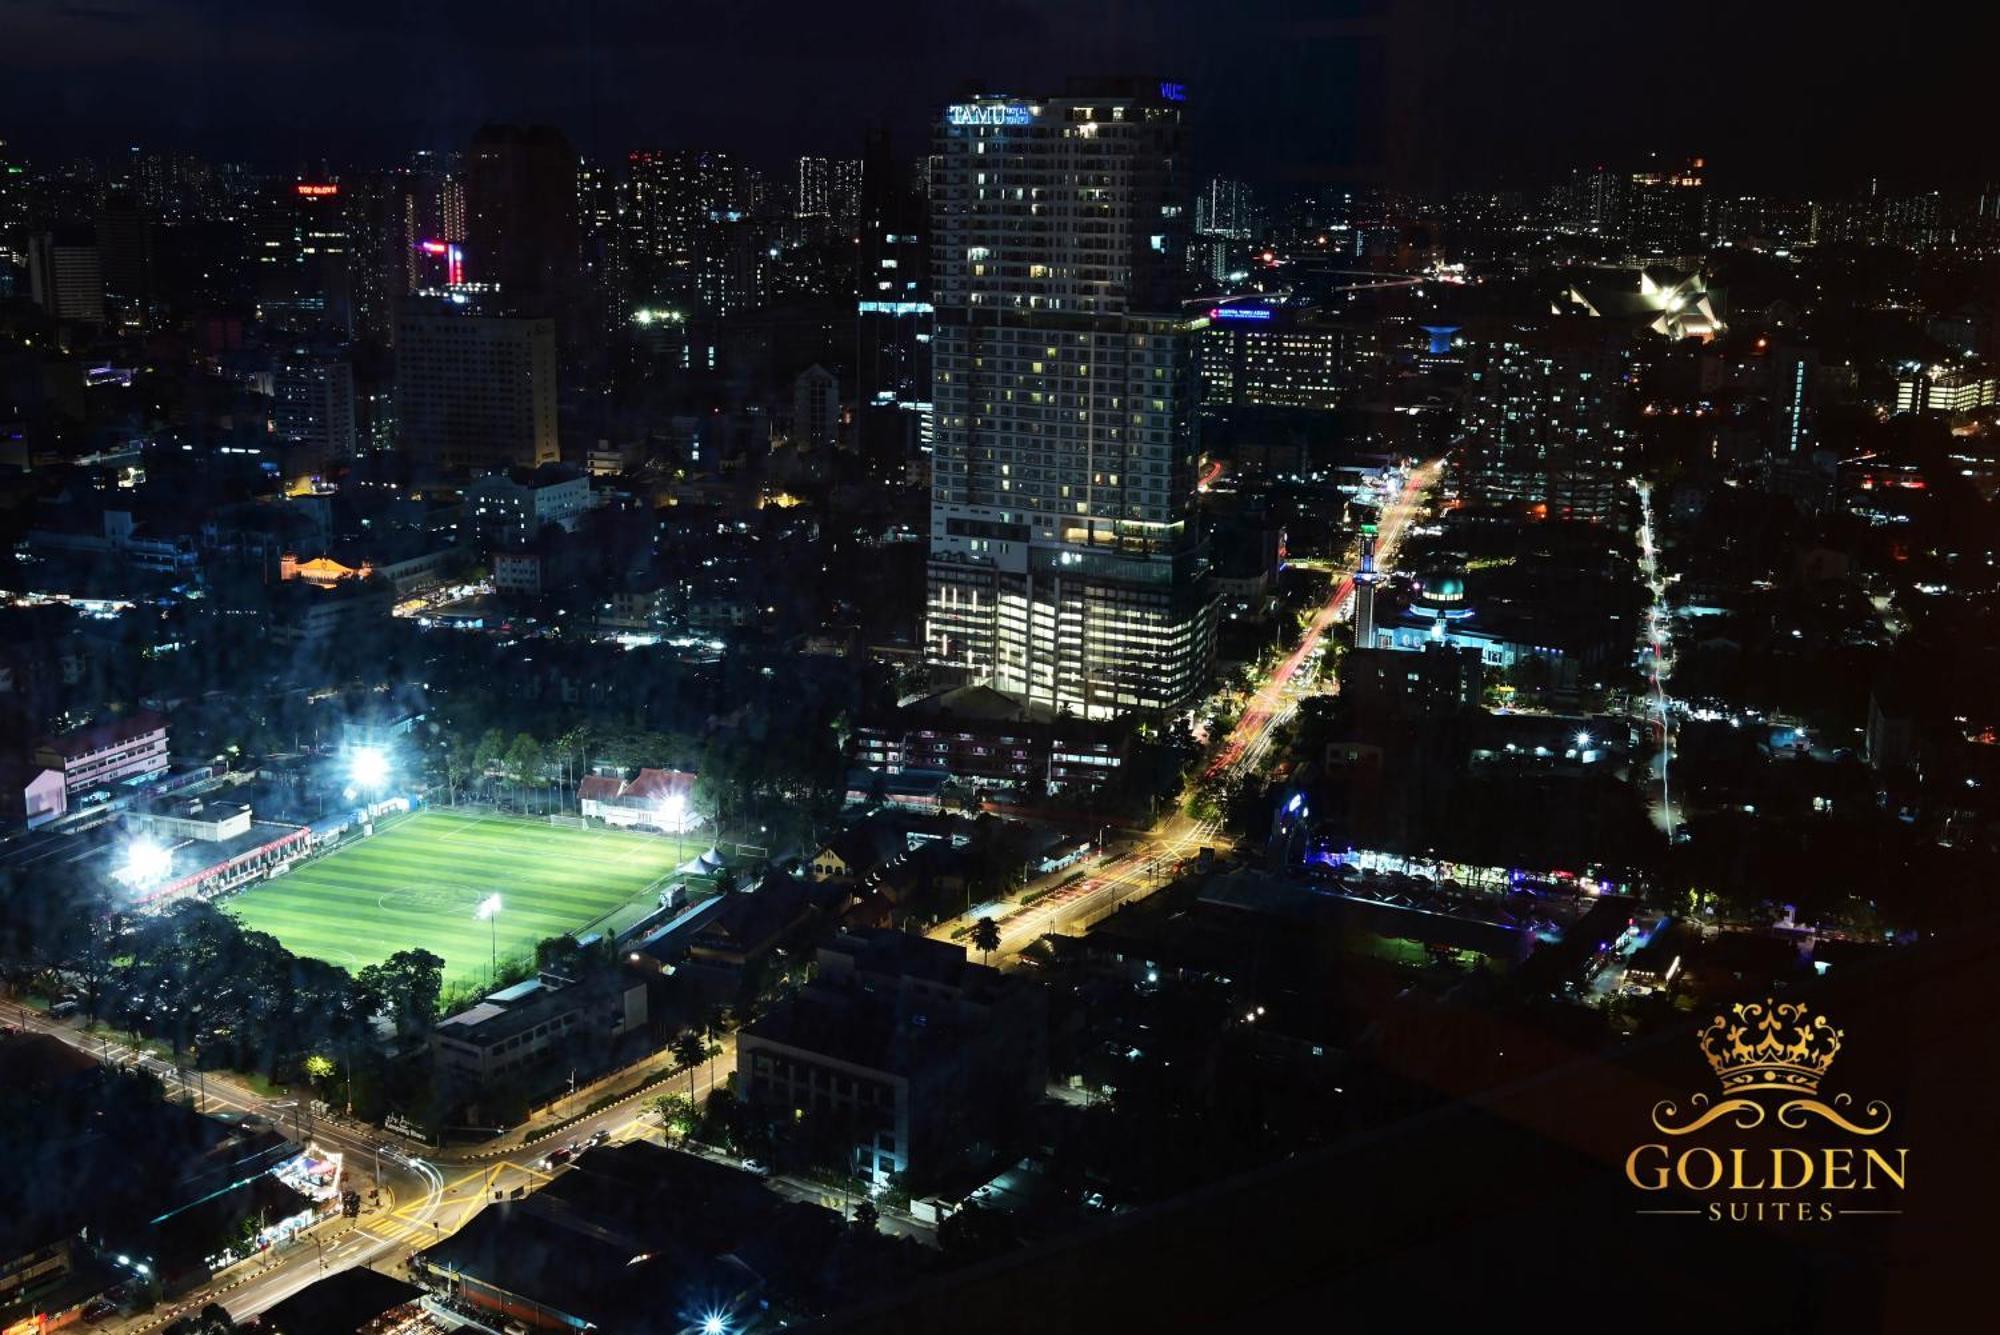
{"x": 1427, "y": 93}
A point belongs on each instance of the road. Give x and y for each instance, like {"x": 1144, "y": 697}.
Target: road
{"x": 1272, "y": 697}
{"x": 429, "y": 1194}
{"x": 1656, "y": 646}
{"x": 1063, "y": 905}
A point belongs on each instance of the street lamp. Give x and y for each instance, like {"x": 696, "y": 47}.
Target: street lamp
{"x": 489, "y": 909}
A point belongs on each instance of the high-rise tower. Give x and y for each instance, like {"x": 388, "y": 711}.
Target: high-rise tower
{"x": 1065, "y": 566}
{"x": 1364, "y": 591}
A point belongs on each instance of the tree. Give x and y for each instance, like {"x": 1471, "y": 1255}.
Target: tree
{"x": 677, "y": 1114}
{"x": 971, "y": 1234}
{"x": 690, "y": 1051}
{"x": 318, "y": 1067}
{"x": 986, "y": 937}
{"x": 490, "y": 754}
{"x": 406, "y": 987}
{"x": 866, "y": 1216}
{"x": 524, "y": 761}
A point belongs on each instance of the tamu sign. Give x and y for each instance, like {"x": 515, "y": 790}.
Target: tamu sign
{"x": 989, "y": 113}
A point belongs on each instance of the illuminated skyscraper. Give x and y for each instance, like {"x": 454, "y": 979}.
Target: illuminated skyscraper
{"x": 303, "y": 253}
{"x": 813, "y": 188}
{"x": 1065, "y": 565}
{"x": 1365, "y": 580}
{"x": 893, "y": 312}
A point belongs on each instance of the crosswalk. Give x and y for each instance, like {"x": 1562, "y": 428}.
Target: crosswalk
{"x": 430, "y": 1219}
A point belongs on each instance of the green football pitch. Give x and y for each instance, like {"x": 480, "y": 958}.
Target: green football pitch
{"x": 419, "y": 881}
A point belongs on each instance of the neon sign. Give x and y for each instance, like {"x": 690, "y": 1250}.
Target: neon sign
{"x": 975, "y": 113}
{"x": 454, "y": 260}
{"x": 314, "y": 190}
{"x": 1240, "y": 313}
{"x": 1174, "y": 92}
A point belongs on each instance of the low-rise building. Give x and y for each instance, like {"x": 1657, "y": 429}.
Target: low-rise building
{"x": 105, "y": 753}
{"x": 928, "y": 1061}
{"x": 978, "y": 734}
{"x": 658, "y": 799}
{"x": 31, "y": 794}
{"x": 518, "y": 1033}
{"x": 514, "y": 507}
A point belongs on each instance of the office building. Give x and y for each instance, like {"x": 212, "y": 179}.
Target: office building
{"x": 1667, "y": 210}
{"x": 521, "y": 216}
{"x": 816, "y": 408}
{"x": 125, "y": 252}
{"x": 303, "y": 253}
{"x": 313, "y": 404}
{"x": 66, "y": 275}
{"x": 1065, "y": 566}
{"x": 1264, "y": 356}
{"x": 475, "y": 391}
{"x": 893, "y": 311}
{"x": 1944, "y": 389}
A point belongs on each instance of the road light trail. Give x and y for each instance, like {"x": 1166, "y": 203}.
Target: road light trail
{"x": 1265, "y": 705}
{"x": 1658, "y": 634}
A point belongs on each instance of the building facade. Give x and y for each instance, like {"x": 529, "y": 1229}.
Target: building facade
{"x": 98, "y": 756}
{"x": 475, "y": 391}
{"x": 926, "y": 1058}
{"x": 1065, "y": 566}
{"x": 313, "y": 403}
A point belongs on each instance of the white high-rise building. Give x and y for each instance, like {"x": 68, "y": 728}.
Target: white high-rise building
{"x": 1065, "y": 566}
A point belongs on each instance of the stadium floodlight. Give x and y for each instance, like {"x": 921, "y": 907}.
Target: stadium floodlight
{"x": 673, "y": 812}
{"x": 147, "y": 861}
{"x": 489, "y": 912}
{"x": 369, "y": 766}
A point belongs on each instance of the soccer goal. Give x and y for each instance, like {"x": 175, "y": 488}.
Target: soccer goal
{"x": 564, "y": 820}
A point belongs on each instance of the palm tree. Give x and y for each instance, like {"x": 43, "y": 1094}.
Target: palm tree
{"x": 986, "y": 937}
{"x": 690, "y": 1052}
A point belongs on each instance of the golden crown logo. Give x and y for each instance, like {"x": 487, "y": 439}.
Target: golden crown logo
{"x": 1764, "y": 1048}
{"x": 1767, "y": 1045}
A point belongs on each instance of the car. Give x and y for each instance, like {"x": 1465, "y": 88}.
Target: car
{"x": 599, "y": 1136}
{"x": 756, "y": 1166}
{"x": 556, "y": 1158}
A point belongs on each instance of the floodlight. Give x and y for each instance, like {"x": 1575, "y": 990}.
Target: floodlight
{"x": 369, "y": 765}
{"x": 147, "y": 861}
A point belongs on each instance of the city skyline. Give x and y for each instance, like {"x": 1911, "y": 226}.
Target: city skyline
{"x": 1046, "y": 668}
